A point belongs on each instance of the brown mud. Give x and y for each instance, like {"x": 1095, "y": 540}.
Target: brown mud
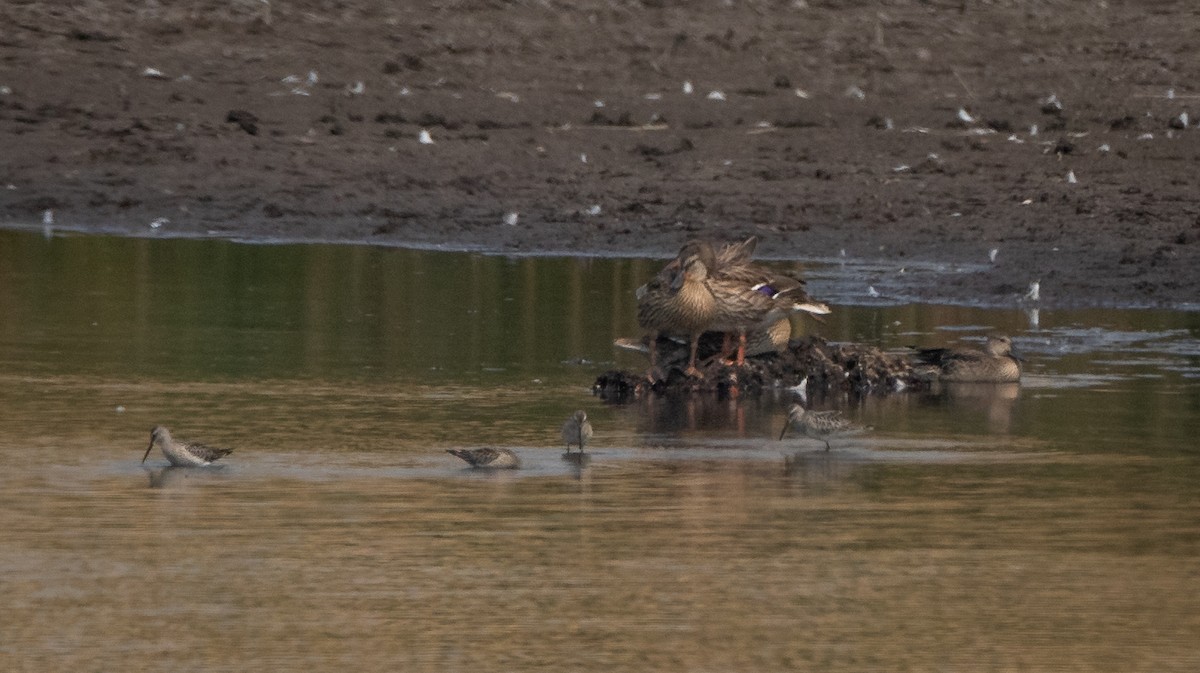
{"x": 810, "y": 363}
{"x": 896, "y": 131}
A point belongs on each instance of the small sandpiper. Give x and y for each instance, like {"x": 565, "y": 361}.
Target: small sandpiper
{"x": 496, "y": 459}
{"x": 577, "y": 430}
{"x": 183, "y": 454}
{"x": 996, "y": 363}
{"x": 822, "y": 425}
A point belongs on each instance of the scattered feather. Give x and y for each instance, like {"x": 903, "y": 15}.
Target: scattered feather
{"x": 801, "y": 93}
{"x": 1170, "y": 94}
{"x": 157, "y": 224}
{"x": 871, "y": 291}
{"x": 312, "y": 77}
{"x": 583, "y": 158}
{"x": 1071, "y": 178}
{"x": 153, "y": 73}
{"x": 424, "y": 138}
{"x": 598, "y": 103}
{"x": 1026, "y": 202}
{"x": 1014, "y": 139}
{"x": 716, "y": 95}
{"x": 1104, "y": 148}
{"x": 357, "y": 89}
{"x": 290, "y": 79}
{"x": 510, "y": 96}
{"x": 1051, "y": 104}
{"x": 688, "y": 88}
{"x": 593, "y": 210}
{"x": 965, "y": 116}
{"x": 653, "y": 96}
{"x": 1033, "y": 130}
{"x": 901, "y": 168}
{"x": 1035, "y": 291}
{"x": 48, "y": 217}
{"x": 856, "y": 93}
{"x": 5, "y": 91}
{"x": 992, "y": 255}
{"x": 511, "y": 218}
{"x": 1146, "y": 136}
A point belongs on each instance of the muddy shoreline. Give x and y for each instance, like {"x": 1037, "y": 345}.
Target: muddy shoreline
{"x": 901, "y": 133}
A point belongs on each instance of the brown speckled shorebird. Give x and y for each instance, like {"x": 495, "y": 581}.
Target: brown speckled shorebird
{"x": 488, "y": 457}
{"x": 822, "y": 425}
{"x": 577, "y": 430}
{"x": 684, "y": 305}
{"x": 996, "y": 363}
{"x": 183, "y": 454}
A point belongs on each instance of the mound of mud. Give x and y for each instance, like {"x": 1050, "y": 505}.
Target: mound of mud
{"x": 812, "y": 361}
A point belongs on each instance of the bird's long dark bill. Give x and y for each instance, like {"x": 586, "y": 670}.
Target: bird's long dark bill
{"x": 783, "y": 432}
{"x": 147, "y": 454}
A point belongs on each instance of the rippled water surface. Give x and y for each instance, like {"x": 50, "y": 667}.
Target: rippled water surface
{"x": 1053, "y": 526}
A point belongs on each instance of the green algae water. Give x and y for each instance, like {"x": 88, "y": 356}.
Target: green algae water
{"x": 1049, "y": 526}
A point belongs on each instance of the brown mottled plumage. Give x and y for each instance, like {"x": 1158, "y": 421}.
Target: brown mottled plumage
{"x": 497, "y": 459}
{"x": 685, "y": 306}
{"x": 183, "y": 454}
{"x": 996, "y": 363}
{"x": 820, "y": 425}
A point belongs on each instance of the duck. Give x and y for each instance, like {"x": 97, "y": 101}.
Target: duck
{"x": 488, "y": 457}
{"x": 183, "y": 454}
{"x": 683, "y": 305}
{"x": 995, "y": 363}
{"x": 744, "y": 306}
{"x": 748, "y": 297}
{"x": 822, "y": 425}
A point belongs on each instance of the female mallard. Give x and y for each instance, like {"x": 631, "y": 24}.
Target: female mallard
{"x": 684, "y": 305}
{"x": 996, "y": 363}
{"x": 750, "y": 299}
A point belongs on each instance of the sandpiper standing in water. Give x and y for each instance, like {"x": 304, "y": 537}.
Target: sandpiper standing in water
{"x": 183, "y": 454}
{"x": 822, "y": 425}
{"x": 577, "y": 430}
{"x": 497, "y": 459}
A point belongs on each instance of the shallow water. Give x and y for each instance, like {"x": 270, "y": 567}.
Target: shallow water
{"x": 1050, "y": 526}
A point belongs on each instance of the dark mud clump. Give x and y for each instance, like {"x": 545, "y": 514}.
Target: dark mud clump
{"x": 812, "y": 361}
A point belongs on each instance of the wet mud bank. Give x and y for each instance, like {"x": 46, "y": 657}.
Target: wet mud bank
{"x": 1060, "y": 137}
{"x": 809, "y": 365}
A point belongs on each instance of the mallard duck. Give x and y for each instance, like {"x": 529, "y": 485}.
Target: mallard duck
{"x": 748, "y": 297}
{"x": 744, "y": 305}
{"x": 996, "y": 363}
{"x": 822, "y": 425}
{"x": 684, "y": 305}
{"x": 496, "y": 459}
{"x": 183, "y": 454}
{"x": 577, "y": 430}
